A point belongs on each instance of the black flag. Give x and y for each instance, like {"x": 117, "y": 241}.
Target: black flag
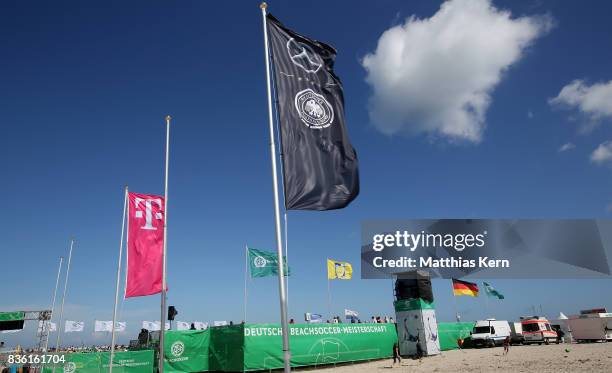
{"x": 319, "y": 164}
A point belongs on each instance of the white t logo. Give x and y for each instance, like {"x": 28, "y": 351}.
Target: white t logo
{"x": 148, "y": 212}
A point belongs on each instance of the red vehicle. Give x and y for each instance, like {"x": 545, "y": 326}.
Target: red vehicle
{"x": 538, "y": 330}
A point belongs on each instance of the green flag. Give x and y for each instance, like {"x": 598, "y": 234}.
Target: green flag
{"x": 491, "y": 292}
{"x": 265, "y": 263}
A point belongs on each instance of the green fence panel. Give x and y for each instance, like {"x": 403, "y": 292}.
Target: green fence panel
{"x": 316, "y": 344}
{"x": 128, "y": 361}
{"x": 77, "y": 363}
{"x": 12, "y": 316}
{"x": 226, "y": 351}
{"x": 450, "y": 332}
{"x": 97, "y": 362}
{"x": 186, "y": 351}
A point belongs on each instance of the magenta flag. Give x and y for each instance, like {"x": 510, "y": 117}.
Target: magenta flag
{"x": 145, "y": 245}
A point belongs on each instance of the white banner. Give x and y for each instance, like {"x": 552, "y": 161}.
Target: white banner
{"x": 49, "y": 326}
{"x": 182, "y": 325}
{"x": 200, "y": 325}
{"x": 153, "y": 326}
{"x": 417, "y": 327}
{"x": 349, "y": 313}
{"x": 74, "y": 326}
{"x": 219, "y": 323}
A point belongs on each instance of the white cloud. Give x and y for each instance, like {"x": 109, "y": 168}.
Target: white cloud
{"x": 593, "y": 101}
{"x": 567, "y": 146}
{"x": 603, "y": 153}
{"x": 436, "y": 75}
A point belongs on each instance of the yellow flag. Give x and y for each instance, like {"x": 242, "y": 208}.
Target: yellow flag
{"x": 339, "y": 270}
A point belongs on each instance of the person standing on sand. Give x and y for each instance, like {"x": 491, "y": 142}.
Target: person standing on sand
{"x": 507, "y": 345}
{"x": 396, "y": 354}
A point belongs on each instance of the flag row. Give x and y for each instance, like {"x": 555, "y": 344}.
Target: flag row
{"x": 471, "y": 289}
{"x": 107, "y": 326}
{"x": 265, "y": 263}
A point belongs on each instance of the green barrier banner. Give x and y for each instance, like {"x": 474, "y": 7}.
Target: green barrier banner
{"x": 186, "y": 351}
{"x": 12, "y": 316}
{"x": 450, "y": 332}
{"x": 316, "y": 344}
{"x": 77, "y": 362}
{"x": 128, "y": 361}
{"x": 97, "y": 362}
{"x": 226, "y": 352}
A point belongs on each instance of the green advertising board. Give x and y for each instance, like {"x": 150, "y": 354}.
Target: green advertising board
{"x": 316, "y": 344}
{"x": 450, "y": 332}
{"x": 186, "y": 351}
{"x": 12, "y": 316}
{"x": 98, "y": 362}
{"x": 240, "y": 348}
{"x": 227, "y": 348}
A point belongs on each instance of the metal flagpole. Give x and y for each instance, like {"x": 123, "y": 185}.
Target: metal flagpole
{"x": 457, "y": 317}
{"x": 61, "y": 321}
{"x": 162, "y": 324}
{"x": 59, "y": 271}
{"x": 329, "y": 299}
{"x": 112, "y": 353}
{"x": 287, "y": 259}
{"x": 279, "y": 243}
{"x": 246, "y": 269}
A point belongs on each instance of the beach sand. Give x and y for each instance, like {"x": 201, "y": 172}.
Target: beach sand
{"x": 592, "y": 358}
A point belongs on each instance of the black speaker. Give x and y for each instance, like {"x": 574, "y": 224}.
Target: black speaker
{"x": 414, "y": 285}
{"x": 172, "y": 312}
{"x": 11, "y": 325}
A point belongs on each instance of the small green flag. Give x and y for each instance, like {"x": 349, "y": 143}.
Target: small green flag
{"x": 491, "y": 292}
{"x": 265, "y": 263}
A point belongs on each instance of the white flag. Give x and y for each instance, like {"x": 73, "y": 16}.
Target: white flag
{"x": 220, "y": 323}
{"x": 103, "y": 326}
{"x": 151, "y": 326}
{"x": 74, "y": 326}
{"x": 120, "y": 326}
{"x": 182, "y": 325}
{"x": 49, "y": 326}
{"x": 200, "y": 325}
{"x": 349, "y": 313}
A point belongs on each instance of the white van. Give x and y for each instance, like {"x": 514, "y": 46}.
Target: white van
{"x": 490, "y": 332}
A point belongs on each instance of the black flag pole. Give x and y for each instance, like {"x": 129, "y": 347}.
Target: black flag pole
{"x": 277, "y": 222}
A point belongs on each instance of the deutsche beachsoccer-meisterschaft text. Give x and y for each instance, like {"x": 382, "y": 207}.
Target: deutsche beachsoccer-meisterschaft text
{"x": 412, "y": 242}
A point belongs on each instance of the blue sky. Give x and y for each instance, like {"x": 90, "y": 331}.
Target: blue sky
{"x": 85, "y": 89}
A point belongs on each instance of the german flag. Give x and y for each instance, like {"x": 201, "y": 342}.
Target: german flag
{"x": 464, "y": 288}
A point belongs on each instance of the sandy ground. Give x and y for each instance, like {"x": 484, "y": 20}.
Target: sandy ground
{"x": 591, "y": 358}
